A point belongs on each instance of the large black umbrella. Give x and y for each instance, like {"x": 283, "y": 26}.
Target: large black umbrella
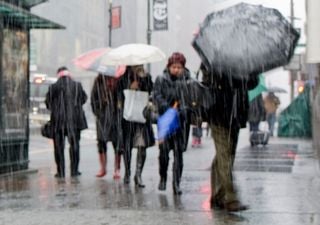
{"x": 245, "y": 40}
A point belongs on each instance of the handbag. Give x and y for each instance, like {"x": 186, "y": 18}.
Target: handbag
{"x": 168, "y": 123}
{"x": 134, "y": 104}
{"x": 47, "y": 130}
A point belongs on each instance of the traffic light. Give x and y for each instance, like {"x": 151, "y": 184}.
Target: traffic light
{"x": 300, "y": 86}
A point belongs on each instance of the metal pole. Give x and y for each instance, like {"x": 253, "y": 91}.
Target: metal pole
{"x": 293, "y": 74}
{"x": 149, "y": 31}
{"x": 110, "y": 23}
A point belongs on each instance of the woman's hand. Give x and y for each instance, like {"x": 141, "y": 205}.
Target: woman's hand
{"x": 175, "y": 105}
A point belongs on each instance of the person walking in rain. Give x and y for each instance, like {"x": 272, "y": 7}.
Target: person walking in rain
{"x": 257, "y": 113}
{"x": 65, "y": 99}
{"x": 228, "y": 113}
{"x": 271, "y": 104}
{"x": 104, "y": 107}
{"x": 168, "y": 94}
{"x": 135, "y": 135}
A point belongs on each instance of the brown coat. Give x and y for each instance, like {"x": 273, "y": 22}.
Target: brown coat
{"x": 271, "y": 103}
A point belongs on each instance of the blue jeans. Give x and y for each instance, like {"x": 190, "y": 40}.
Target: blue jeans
{"x": 271, "y": 119}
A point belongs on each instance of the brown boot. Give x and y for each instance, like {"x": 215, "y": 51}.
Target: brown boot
{"x": 103, "y": 162}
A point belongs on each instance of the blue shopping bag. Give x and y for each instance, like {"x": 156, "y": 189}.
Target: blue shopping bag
{"x": 168, "y": 123}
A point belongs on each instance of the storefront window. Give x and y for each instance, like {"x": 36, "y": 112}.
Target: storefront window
{"x": 14, "y": 84}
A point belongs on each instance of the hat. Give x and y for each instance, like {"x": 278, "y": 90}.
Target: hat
{"x": 176, "y": 57}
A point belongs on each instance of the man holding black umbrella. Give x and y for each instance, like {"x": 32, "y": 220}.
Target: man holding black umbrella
{"x": 235, "y": 44}
{"x": 228, "y": 113}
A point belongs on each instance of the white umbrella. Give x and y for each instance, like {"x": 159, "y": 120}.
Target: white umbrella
{"x": 133, "y": 54}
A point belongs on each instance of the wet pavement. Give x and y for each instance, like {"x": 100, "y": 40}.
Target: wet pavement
{"x": 280, "y": 183}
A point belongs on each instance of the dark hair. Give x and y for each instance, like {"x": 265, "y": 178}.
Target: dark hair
{"x": 176, "y": 57}
{"x": 61, "y": 69}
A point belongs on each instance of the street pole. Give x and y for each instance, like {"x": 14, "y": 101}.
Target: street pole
{"x": 149, "y": 31}
{"x": 293, "y": 74}
{"x": 110, "y": 23}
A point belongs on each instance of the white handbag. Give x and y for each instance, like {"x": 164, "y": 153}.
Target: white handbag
{"x": 134, "y": 103}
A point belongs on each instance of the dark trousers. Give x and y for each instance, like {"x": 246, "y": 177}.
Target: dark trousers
{"x": 59, "y": 143}
{"x": 176, "y": 143}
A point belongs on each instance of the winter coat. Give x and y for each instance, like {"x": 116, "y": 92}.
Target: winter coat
{"x": 271, "y": 103}
{"x": 129, "y": 128}
{"x": 230, "y": 99}
{"x": 104, "y": 107}
{"x": 167, "y": 90}
{"x": 65, "y": 99}
{"x": 257, "y": 111}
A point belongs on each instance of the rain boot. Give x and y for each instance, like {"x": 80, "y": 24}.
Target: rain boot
{"x": 127, "y": 163}
{"x": 103, "y": 162}
{"x": 141, "y": 158}
{"x": 163, "y": 183}
{"x": 117, "y": 163}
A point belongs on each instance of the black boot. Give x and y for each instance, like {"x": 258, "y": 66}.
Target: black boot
{"x": 126, "y": 178}
{"x": 127, "y": 164}
{"x": 141, "y": 158}
{"x": 176, "y": 188}
{"x": 162, "y": 184}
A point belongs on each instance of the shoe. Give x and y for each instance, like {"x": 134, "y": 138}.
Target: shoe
{"x": 101, "y": 174}
{"x": 138, "y": 181}
{"x": 177, "y": 191}
{"x": 216, "y": 203}
{"x": 57, "y": 175}
{"x": 76, "y": 174}
{"x": 235, "y": 206}
{"x": 116, "y": 175}
{"x": 162, "y": 184}
{"x": 126, "y": 179}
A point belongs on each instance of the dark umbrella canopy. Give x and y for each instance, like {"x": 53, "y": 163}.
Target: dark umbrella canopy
{"x": 245, "y": 40}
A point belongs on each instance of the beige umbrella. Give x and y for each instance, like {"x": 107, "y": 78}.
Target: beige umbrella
{"x": 133, "y": 54}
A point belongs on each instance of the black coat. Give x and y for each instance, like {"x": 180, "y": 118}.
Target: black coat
{"x": 230, "y": 100}
{"x": 65, "y": 99}
{"x": 257, "y": 111}
{"x": 167, "y": 90}
{"x": 104, "y": 107}
{"x": 129, "y": 128}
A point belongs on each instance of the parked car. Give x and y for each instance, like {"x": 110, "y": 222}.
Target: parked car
{"x": 39, "y": 84}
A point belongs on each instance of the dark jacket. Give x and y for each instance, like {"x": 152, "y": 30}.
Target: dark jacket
{"x": 167, "y": 90}
{"x": 230, "y": 99}
{"x": 65, "y": 99}
{"x": 129, "y": 128}
{"x": 104, "y": 107}
{"x": 257, "y": 111}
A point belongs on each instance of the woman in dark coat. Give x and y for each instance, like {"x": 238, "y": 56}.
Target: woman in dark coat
{"x": 135, "y": 135}
{"x": 104, "y": 107}
{"x": 168, "y": 92}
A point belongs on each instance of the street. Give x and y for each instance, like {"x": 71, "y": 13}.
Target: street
{"x": 280, "y": 183}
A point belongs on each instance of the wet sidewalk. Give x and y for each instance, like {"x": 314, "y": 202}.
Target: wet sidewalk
{"x": 280, "y": 183}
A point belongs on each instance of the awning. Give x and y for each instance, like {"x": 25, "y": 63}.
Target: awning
{"x": 16, "y": 16}
{"x": 31, "y": 3}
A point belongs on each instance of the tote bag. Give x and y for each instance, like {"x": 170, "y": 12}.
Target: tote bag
{"x": 134, "y": 103}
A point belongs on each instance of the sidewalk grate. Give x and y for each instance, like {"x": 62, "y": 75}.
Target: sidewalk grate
{"x": 275, "y": 158}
